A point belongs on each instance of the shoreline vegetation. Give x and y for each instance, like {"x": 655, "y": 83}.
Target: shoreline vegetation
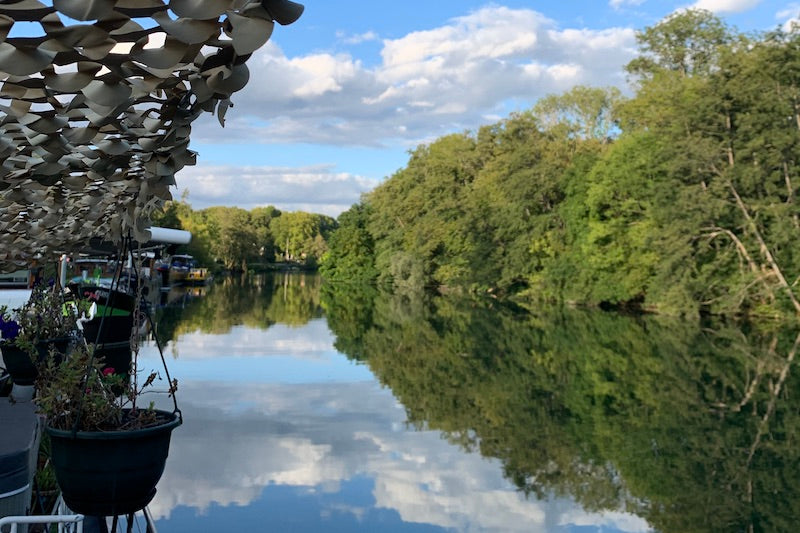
{"x": 262, "y": 239}
{"x": 680, "y": 198}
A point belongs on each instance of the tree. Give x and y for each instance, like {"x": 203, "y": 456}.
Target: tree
{"x": 298, "y": 235}
{"x": 418, "y": 214}
{"x": 351, "y": 252}
{"x": 687, "y": 42}
{"x": 261, "y": 218}
{"x": 237, "y": 240}
{"x": 585, "y": 112}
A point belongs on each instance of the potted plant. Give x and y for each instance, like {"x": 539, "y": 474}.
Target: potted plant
{"x": 42, "y": 324}
{"x": 9, "y": 329}
{"x": 108, "y": 454}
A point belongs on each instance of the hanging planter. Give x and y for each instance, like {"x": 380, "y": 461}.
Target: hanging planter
{"x": 107, "y": 473}
{"x": 107, "y": 454}
{"x": 107, "y": 458}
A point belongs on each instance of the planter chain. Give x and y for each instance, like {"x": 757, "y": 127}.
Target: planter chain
{"x": 114, "y": 285}
{"x": 152, "y": 323}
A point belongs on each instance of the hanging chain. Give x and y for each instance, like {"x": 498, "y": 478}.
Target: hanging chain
{"x": 136, "y": 263}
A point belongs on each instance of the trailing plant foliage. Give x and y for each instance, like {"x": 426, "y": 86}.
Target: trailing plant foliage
{"x": 48, "y": 314}
{"x": 79, "y": 393}
{"x": 682, "y": 198}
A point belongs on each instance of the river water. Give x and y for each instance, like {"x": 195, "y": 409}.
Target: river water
{"x": 315, "y": 408}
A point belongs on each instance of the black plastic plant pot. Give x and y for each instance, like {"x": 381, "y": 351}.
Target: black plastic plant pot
{"x": 20, "y": 365}
{"x": 109, "y": 473}
{"x": 4, "y": 377}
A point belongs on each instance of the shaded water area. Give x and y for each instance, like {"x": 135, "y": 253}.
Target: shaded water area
{"x": 309, "y": 408}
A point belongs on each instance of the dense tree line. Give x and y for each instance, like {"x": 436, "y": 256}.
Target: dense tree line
{"x": 235, "y": 238}
{"x": 680, "y": 198}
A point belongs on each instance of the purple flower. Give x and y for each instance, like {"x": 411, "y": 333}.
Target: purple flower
{"x": 9, "y": 329}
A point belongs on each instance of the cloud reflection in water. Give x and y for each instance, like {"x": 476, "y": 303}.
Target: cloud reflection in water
{"x": 242, "y": 437}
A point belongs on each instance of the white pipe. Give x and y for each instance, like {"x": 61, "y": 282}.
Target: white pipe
{"x": 62, "y": 274}
{"x": 168, "y": 235}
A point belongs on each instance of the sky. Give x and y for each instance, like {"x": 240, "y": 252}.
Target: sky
{"x": 336, "y": 101}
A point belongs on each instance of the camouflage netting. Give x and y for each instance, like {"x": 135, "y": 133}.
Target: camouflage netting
{"x": 96, "y": 103}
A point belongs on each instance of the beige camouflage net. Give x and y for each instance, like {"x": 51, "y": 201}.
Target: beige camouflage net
{"x": 96, "y": 103}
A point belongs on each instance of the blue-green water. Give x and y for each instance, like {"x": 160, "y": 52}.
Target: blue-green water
{"x": 308, "y": 408}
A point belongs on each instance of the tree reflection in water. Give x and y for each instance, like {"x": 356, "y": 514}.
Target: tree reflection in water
{"x": 691, "y": 425}
{"x": 256, "y": 301}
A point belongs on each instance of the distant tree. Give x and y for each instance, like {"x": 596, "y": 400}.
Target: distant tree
{"x": 351, "y": 251}
{"x": 261, "y": 218}
{"x": 686, "y": 42}
{"x": 585, "y": 112}
{"x": 298, "y": 235}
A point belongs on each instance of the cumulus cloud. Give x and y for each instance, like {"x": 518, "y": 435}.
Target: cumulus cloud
{"x": 726, "y": 6}
{"x": 618, "y": 4}
{"x": 357, "y": 39}
{"x": 472, "y": 70}
{"x": 789, "y": 16}
{"x": 427, "y": 83}
{"x": 314, "y": 189}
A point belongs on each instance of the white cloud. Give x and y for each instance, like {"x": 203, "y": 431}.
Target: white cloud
{"x": 427, "y": 83}
{"x": 618, "y": 4}
{"x": 314, "y": 189}
{"x": 789, "y": 16}
{"x": 726, "y": 6}
{"x": 357, "y": 39}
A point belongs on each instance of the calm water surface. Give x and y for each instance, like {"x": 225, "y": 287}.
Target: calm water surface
{"x": 310, "y": 408}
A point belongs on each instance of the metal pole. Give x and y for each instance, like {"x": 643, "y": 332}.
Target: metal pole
{"x": 62, "y": 274}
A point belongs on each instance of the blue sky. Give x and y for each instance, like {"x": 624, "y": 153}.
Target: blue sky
{"x": 336, "y": 100}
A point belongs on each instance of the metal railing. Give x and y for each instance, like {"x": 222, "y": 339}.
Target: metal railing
{"x": 69, "y": 522}
{"x": 66, "y": 523}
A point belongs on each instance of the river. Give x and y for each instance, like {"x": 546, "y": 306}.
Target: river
{"x": 315, "y": 408}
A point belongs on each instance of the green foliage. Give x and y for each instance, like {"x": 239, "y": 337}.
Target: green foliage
{"x": 351, "y": 254}
{"x": 256, "y": 301}
{"x": 300, "y": 236}
{"x": 585, "y": 112}
{"x": 46, "y": 316}
{"x": 235, "y": 238}
{"x": 687, "y": 42}
{"x": 681, "y": 199}
{"x": 235, "y": 241}
{"x": 416, "y": 217}
{"x": 78, "y": 393}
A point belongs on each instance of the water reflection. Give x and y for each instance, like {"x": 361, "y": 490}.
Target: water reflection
{"x": 489, "y": 418}
{"x": 240, "y": 446}
{"x": 691, "y": 426}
